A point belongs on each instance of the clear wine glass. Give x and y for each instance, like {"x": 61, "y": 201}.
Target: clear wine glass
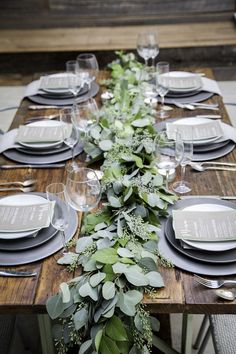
{"x": 83, "y": 189}
{"x": 84, "y": 116}
{"x": 87, "y": 67}
{"x": 162, "y": 73}
{"x": 73, "y": 79}
{"x": 183, "y": 186}
{"x": 168, "y": 154}
{"x": 60, "y": 218}
{"x": 70, "y": 132}
{"x": 147, "y": 46}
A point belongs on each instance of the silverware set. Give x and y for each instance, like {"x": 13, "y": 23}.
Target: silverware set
{"x": 213, "y": 284}
{"x": 16, "y": 273}
{"x": 25, "y": 186}
{"x": 193, "y": 106}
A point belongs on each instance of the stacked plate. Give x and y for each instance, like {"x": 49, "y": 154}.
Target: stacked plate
{"x": 209, "y": 258}
{"x": 53, "y": 90}
{"x": 184, "y": 87}
{"x": 207, "y": 149}
{"x": 42, "y": 153}
{"x": 20, "y": 247}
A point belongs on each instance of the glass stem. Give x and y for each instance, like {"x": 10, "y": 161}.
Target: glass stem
{"x": 183, "y": 169}
{"x": 167, "y": 179}
{"x": 63, "y": 239}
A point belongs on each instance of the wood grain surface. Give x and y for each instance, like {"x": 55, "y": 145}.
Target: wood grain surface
{"x": 180, "y": 294}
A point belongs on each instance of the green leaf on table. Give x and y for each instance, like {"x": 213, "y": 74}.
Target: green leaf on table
{"x": 154, "y": 201}
{"x": 146, "y": 178}
{"x": 115, "y": 329}
{"x": 128, "y": 193}
{"x": 124, "y": 252}
{"x": 108, "y": 290}
{"x": 105, "y": 145}
{"x": 140, "y": 123}
{"x": 138, "y": 323}
{"x": 98, "y": 339}
{"x": 80, "y": 318}
{"x": 115, "y": 202}
{"x": 65, "y": 291}
{"x": 148, "y": 263}
{"x": 127, "y": 301}
{"x": 68, "y": 258}
{"x": 108, "y": 346}
{"x": 87, "y": 290}
{"x": 119, "y": 268}
{"x": 136, "y": 278}
{"x": 83, "y": 243}
{"x": 85, "y": 347}
{"x": 90, "y": 265}
{"x": 55, "y": 306}
{"x": 155, "y": 279}
{"x": 100, "y": 226}
{"x": 155, "y": 324}
{"x": 95, "y": 131}
{"x": 96, "y": 279}
{"x": 106, "y": 256}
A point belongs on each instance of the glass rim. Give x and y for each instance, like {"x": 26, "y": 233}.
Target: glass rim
{"x": 90, "y": 170}
{"x": 53, "y": 185}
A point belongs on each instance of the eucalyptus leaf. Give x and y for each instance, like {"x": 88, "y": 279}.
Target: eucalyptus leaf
{"x": 55, "y": 306}
{"x": 115, "y": 329}
{"x": 108, "y": 346}
{"x": 96, "y": 279}
{"x": 87, "y": 290}
{"x": 80, "y": 318}
{"x": 65, "y": 291}
{"x": 124, "y": 252}
{"x": 108, "y": 290}
{"x": 155, "y": 324}
{"x": 119, "y": 268}
{"x": 85, "y": 347}
{"x": 155, "y": 279}
{"x": 68, "y": 258}
{"x": 141, "y": 123}
{"x": 136, "y": 278}
{"x": 106, "y": 256}
{"x": 105, "y": 145}
{"x": 83, "y": 243}
{"x": 115, "y": 202}
{"x": 100, "y": 226}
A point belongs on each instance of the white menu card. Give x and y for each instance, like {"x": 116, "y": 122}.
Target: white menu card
{"x": 205, "y": 225}
{"x": 39, "y": 134}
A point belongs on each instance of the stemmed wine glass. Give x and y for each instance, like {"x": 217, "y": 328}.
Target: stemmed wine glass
{"x": 168, "y": 154}
{"x": 70, "y": 132}
{"x": 60, "y": 218}
{"x": 147, "y": 46}
{"x": 183, "y": 186}
{"x": 162, "y": 73}
{"x": 83, "y": 189}
{"x": 84, "y": 116}
{"x": 73, "y": 79}
{"x": 87, "y": 67}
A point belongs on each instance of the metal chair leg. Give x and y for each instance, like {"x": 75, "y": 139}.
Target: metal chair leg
{"x": 205, "y": 340}
{"x": 46, "y": 334}
{"x": 201, "y": 332}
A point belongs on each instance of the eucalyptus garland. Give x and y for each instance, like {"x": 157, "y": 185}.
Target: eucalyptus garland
{"x": 101, "y": 311}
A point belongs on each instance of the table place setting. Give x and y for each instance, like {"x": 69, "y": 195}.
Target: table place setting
{"x": 191, "y": 236}
{"x": 26, "y": 230}
{"x": 211, "y": 138}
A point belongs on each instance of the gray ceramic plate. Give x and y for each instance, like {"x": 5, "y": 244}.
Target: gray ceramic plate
{"x": 186, "y": 263}
{"x": 65, "y": 101}
{"x": 9, "y": 258}
{"x": 42, "y": 159}
{"x": 198, "y": 97}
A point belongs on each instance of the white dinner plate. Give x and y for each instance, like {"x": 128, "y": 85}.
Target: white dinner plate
{"x": 43, "y": 123}
{"x": 56, "y": 83}
{"x": 210, "y": 246}
{"x": 20, "y": 199}
{"x": 195, "y": 121}
{"x": 182, "y": 81}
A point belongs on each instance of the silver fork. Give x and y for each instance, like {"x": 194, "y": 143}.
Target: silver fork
{"x": 23, "y": 189}
{"x": 213, "y": 284}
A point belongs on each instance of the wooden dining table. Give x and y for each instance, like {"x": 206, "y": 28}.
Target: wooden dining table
{"x": 181, "y": 293}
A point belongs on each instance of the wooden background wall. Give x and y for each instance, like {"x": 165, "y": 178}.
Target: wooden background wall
{"x": 86, "y": 13}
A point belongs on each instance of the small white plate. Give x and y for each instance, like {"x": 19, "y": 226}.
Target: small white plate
{"x": 195, "y": 121}
{"x": 20, "y": 199}
{"x": 190, "y": 81}
{"x": 210, "y": 246}
{"x": 38, "y": 146}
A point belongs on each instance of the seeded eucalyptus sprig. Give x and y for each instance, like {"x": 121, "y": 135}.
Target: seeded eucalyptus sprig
{"x": 101, "y": 311}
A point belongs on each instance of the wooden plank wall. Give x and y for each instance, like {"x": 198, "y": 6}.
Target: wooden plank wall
{"x": 89, "y": 13}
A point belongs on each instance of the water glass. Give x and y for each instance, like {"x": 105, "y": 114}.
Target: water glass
{"x": 162, "y": 72}
{"x": 87, "y": 67}
{"x": 60, "y": 218}
{"x": 147, "y": 46}
{"x": 70, "y": 132}
{"x": 74, "y": 81}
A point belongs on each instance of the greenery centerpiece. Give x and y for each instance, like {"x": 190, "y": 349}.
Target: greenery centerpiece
{"x": 101, "y": 311}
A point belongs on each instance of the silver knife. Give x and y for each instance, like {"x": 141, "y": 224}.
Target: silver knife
{"x": 16, "y": 273}
{"x": 55, "y": 165}
{"x": 35, "y": 107}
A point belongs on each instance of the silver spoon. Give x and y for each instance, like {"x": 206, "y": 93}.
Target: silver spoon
{"x": 26, "y": 183}
{"x": 225, "y": 294}
{"x": 215, "y": 166}
{"x": 22, "y": 189}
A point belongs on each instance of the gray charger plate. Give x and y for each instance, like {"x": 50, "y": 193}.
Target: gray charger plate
{"x": 24, "y": 243}
{"x": 44, "y": 159}
{"x": 198, "y": 97}
{"x": 208, "y": 153}
{"x": 9, "y": 258}
{"x": 65, "y": 101}
{"x": 50, "y": 151}
{"x": 186, "y": 263}
{"x": 200, "y": 255}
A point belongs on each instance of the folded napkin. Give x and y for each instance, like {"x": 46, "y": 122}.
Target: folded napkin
{"x": 210, "y": 226}
{"x": 19, "y": 218}
{"x": 7, "y": 140}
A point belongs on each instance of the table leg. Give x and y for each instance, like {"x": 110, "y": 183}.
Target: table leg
{"x": 187, "y": 334}
{"x": 46, "y": 334}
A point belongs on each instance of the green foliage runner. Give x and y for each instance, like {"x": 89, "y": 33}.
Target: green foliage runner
{"x": 101, "y": 311}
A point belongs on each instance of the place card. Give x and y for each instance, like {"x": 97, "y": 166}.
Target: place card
{"x": 18, "y": 218}
{"x": 40, "y": 134}
{"x": 197, "y": 131}
{"x": 54, "y": 82}
{"x": 205, "y": 226}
